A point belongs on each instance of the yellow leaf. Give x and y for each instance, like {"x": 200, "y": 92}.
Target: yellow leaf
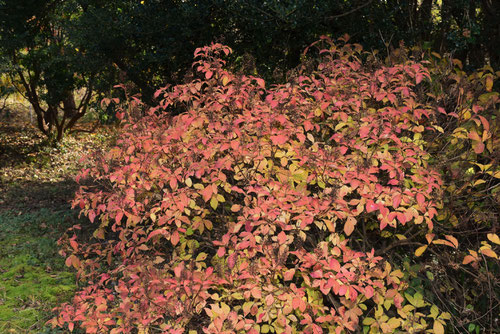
{"x": 214, "y": 203}
{"x": 420, "y": 250}
{"x": 394, "y": 323}
{"x": 438, "y": 327}
{"x": 493, "y": 238}
{"x": 489, "y": 252}
{"x": 478, "y": 182}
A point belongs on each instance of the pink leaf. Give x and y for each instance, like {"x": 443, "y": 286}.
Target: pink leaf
{"x": 363, "y": 131}
{"x": 420, "y": 199}
{"x": 371, "y": 206}
{"x": 119, "y": 217}
{"x": 174, "y": 239}
{"x": 269, "y": 300}
{"x": 369, "y": 292}
{"x": 206, "y": 193}
{"x": 91, "y": 216}
{"x": 478, "y": 148}
{"x": 231, "y": 260}
{"x": 281, "y": 238}
{"x": 157, "y": 232}
{"x": 396, "y": 200}
{"x": 279, "y": 139}
{"x": 221, "y": 251}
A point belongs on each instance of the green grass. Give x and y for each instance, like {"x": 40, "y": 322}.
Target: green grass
{"x": 33, "y": 277}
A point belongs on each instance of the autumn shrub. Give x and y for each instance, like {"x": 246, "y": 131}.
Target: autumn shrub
{"x": 465, "y": 149}
{"x": 288, "y": 209}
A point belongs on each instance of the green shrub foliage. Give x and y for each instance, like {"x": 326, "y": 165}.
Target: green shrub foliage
{"x": 266, "y": 209}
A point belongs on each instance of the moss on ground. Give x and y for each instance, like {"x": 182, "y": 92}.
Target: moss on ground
{"x": 33, "y": 277}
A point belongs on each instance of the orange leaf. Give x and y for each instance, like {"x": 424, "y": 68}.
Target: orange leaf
{"x": 489, "y": 252}
{"x": 453, "y": 240}
{"x": 468, "y": 259}
{"x": 474, "y": 136}
{"x": 349, "y": 225}
{"x": 478, "y": 147}
{"x": 207, "y": 193}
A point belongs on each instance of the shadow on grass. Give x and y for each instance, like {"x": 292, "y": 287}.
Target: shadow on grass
{"x": 27, "y": 196}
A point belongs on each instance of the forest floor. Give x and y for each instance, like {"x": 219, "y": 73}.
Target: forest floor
{"x": 36, "y": 187}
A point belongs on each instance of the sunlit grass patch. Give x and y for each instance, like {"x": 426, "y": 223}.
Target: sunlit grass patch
{"x": 33, "y": 278}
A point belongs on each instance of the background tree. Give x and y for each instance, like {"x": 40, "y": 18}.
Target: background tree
{"x": 44, "y": 62}
{"x": 152, "y": 41}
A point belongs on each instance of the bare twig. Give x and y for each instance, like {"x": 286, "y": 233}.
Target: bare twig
{"x": 350, "y": 11}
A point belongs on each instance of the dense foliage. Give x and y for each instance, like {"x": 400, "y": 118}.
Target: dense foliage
{"x": 293, "y": 208}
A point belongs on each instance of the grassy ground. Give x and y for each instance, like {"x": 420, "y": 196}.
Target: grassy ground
{"x": 36, "y": 186}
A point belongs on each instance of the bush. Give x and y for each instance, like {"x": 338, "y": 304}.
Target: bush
{"x": 266, "y": 209}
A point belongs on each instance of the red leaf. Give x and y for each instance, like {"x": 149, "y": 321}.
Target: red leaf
{"x": 174, "y": 238}
{"x": 173, "y": 183}
{"x": 363, "y": 131}
{"x": 371, "y": 206}
{"x": 119, "y": 217}
{"x": 279, "y": 139}
{"x": 157, "y": 232}
{"x": 478, "y": 147}
{"x": 342, "y": 290}
{"x": 419, "y": 78}
{"x": 396, "y": 200}
{"x": 231, "y": 260}
{"x": 221, "y": 251}
{"x": 207, "y": 193}
{"x": 91, "y": 216}
{"x": 474, "y": 136}
{"x": 369, "y": 292}
{"x": 208, "y": 74}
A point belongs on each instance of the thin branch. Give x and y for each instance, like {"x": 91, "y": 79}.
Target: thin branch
{"x": 350, "y": 11}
